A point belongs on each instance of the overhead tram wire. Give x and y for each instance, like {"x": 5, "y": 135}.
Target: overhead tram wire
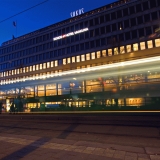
{"x": 24, "y": 11}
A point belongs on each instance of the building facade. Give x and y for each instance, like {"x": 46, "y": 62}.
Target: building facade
{"x": 70, "y": 62}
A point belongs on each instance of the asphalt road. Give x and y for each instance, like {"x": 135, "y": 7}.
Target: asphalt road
{"x": 109, "y": 136}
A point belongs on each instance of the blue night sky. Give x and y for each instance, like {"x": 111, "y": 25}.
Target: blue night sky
{"x": 48, "y": 13}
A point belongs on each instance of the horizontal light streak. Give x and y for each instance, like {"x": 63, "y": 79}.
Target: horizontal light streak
{"x": 90, "y": 69}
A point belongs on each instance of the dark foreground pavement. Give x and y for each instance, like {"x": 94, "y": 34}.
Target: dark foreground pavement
{"x": 48, "y": 137}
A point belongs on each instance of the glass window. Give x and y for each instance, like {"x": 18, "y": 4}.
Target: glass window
{"x": 40, "y": 66}
{"x": 17, "y": 71}
{"x": 73, "y": 60}
{"x": 150, "y": 44}
{"x": 83, "y": 57}
{"x": 116, "y": 51}
{"x": 64, "y": 61}
{"x": 56, "y": 63}
{"x": 142, "y": 45}
{"x": 135, "y": 47}
{"x": 30, "y": 68}
{"x": 48, "y": 64}
{"x": 77, "y": 58}
{"x": 37, "y": 67}
{"x": 44, "y": 65}
{"x": 128, "y": 48}
{"x": 88, "y": 56}
{"x": 33, "y": 67}
{"x": 52, "y": 63}
{"x": 68, "y": 60}
{"x": 103, "y": 53}
{"x": 157, "y": 42}
{"x": 98, "y": 54}
{"x": 93, "y": 55}
{"x": 109, "y": 52}
{"x": 122, "y": 50}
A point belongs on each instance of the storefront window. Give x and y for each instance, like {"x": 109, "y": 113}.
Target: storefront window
{"x": 157, "y": 42}
{"x": 150, "y": 44}
{"x": 68, "y": 60}
{"x": 142, "y": 45}
{"x": 51, "y": 89}
{"x": 93, "y": 55}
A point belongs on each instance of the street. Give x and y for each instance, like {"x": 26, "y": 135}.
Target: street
{"x": 54, "y": 137}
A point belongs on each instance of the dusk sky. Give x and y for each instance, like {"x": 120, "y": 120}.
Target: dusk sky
{"x": 45, "y": 14}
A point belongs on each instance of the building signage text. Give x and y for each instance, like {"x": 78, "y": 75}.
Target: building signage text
{"x": 77, "y": 12}
{"x": 70, "y": 34}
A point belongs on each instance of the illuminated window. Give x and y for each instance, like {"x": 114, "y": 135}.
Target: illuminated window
{"x": 73, "y": 60}
{"x": 93, "y": 55}
{"x": 12, "y": 72}
{"x": 98, "y": 54}
{"x": 83, "y": 57}
{"x": 64, "y": 61}
{"x": 44, "y": 65}
{"x": 77, "y": 58}
{"x": 24, "y": 70}
{"x": 52, "y": 63}
{"x": 116, "y": 51}
{"x": 68, "y": 60}
{"x": 37, "y": 67}
{"x": 109, "y": 52}
{"x": 30, "y": 68}
{"x": 122, "y": 50}
{"x": 103, "y": 53}
{"x": 157, "y": 42}
{"x": 135, "y": 47}
{"x": 150, "y": 44}
{"x": 17, "y": 71}
{"x": 128, "y": 48}
{"x": 88, "y": 56}
{"x": 40, "y": 66}
{"x": 33, "y": 67}
{"x": 142, "y": 45}
{"x": 56, "y": 63}
{"x": 48, "y": 64}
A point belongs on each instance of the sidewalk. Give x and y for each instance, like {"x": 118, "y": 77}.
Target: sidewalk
{"x": 15, "y": 147}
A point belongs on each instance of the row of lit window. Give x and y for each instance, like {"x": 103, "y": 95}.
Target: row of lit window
{"x": 114, "y": 51}
{"x": 30, "y": 68}
{"x": 79, "y": 58}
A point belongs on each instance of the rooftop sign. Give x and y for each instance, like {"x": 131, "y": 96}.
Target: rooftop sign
{"x": 70, "y": 34}
{"x": 77, "y": 12}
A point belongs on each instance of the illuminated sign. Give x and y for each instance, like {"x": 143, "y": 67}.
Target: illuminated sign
{"x": 70, "y": 34}
{"x": 77, "y": 12}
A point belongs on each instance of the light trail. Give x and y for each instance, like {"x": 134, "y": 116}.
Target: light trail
{"x": 95, "y": 68}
